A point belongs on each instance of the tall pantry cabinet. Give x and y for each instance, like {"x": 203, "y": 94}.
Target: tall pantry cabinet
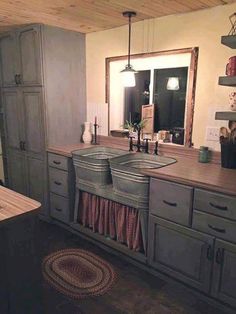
{"x": 43, "y": 102}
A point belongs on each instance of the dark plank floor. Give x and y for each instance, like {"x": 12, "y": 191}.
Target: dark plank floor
{"x": 135, "y": 292}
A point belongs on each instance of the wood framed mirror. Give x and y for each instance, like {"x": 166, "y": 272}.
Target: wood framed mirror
{"x": 151, "y": 68}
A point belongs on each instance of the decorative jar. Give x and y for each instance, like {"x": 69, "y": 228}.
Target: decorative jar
{"x": 87, "y": 135}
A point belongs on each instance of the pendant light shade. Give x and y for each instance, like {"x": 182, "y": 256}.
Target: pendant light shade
{"x": 173, "y": 83}
{"x": 128, "y": 74}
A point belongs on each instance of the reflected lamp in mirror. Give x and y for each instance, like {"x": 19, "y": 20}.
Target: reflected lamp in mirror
{"x": 173, "y": 83}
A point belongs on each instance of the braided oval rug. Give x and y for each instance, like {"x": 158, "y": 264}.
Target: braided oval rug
{"x": 78, "y": 273}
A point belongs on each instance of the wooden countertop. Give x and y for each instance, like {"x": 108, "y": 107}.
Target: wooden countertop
{"x": 204, "y": 175}
{"x": 66, "y": 150}
{"x": 13, "y": 204}
{"x": 187, "y": 170}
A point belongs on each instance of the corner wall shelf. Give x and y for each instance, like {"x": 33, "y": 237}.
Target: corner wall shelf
{"x": 225, "y": 115}
{"x": 227, "y": 80}
{"x": 229, "y": 41}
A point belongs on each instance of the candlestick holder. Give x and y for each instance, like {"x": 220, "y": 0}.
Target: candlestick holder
{"x": 94, "y": 141}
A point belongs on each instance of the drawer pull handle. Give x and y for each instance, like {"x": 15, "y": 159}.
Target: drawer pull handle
{"x": 56, "y": 162}
{"x": 218, "y": 206}
{"x": 58, "y": 209}
{"x": 169, "y": 203}
{"x": 220, "y": 256}
{"x": 57, "y": 183}
{"x": 216, "y": 229}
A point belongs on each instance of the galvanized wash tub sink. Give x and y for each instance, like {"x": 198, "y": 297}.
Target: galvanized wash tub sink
{"x": 92, "y": 164}
{"x": 128, "y": 181}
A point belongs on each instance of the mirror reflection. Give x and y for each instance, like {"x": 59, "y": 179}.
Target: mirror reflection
{"x": 163, "y": 94}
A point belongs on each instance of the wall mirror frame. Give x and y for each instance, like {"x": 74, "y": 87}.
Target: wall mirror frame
{"x": 191, "y": 85}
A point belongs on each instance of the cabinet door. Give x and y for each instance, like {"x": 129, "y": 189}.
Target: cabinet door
{"x": 33, "y": 120}
{"x": 30, "y": 56}
{"x": 17, "y": 177}
{"x": 37, "y": 183}
{"x": 180, "y": 252}
{"x": 8, "y": 59}
{"x": 13, "y": 117}
{"x": 224, "y": 272}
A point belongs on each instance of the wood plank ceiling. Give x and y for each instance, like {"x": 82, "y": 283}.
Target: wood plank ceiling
{"x": 92, "y": 15}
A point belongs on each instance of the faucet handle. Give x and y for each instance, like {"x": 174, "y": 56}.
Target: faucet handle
{"x": 156, "y": 148}
{"x": 146, "y": 145}
{"x": 131, "y": 143}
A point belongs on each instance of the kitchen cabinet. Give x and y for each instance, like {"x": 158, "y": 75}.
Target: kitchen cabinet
{"x": 9, "y": 67}
{"x": 17, "y": 172}
{"x": 203, "y": 254}
{"x": 180, "y": 252}
{"x": 224, "y": 272}
{"x": 43, "y": 102}
{"x": 24, "y": 119}
{"x": 62, "y": 187}
{"x": 13, "y": 117}
{"x": 21, "y": 57}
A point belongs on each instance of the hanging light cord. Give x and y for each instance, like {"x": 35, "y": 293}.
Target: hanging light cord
{"x": 129, "y": 40}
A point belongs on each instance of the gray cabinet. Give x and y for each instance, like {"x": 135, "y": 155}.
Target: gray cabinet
{"x": 13, "y": 117}
{"x": 9, "y": 66}
{"x": 37, "y": 177}
{"x": 44, "y": 101}
{"x": 171, "y": 201}
{"x": 181, "y": 252}
{"x": 17, "y": 175}
{"x": 224, "y": 272}
{"x": 199, "y": 254}
{"x": 21, "y": 57}
{"x": 32, "y": 103}
{"x": 28, "y": 44}
{"x": 62, "y": 187}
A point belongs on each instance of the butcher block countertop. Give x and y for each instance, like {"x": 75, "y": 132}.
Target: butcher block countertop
{"x": 66, "y": 150}
{"x": 187, "y": 170}
{"x": 13, "y": 204}
{"x": 203, "y": 175}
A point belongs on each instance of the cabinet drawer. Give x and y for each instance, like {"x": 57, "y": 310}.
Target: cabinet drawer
{"x": 59, "y": 207}
{"x": 171, "y": 201}
{"x": 215, "y": 203}
{"x": 58, "y": 181}
{"x": 217, "y": 226}
{"x": 58, "y": 161}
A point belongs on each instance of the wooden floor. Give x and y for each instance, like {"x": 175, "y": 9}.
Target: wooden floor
{"x": 135, "y": 291}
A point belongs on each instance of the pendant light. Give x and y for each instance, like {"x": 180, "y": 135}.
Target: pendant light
{"x": 173, "y": 83}
{"x": 128, "y": 72}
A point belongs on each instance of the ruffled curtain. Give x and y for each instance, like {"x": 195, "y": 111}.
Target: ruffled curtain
{"x": 111, "y": 219}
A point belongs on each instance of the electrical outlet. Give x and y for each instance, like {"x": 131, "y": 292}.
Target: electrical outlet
{"x": 212, "y": 134}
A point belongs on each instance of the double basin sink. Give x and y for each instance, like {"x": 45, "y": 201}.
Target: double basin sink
{"x": 99, "y": 166}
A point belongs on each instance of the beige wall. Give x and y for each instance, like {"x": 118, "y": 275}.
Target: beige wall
{"x": 201, "y": 29}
